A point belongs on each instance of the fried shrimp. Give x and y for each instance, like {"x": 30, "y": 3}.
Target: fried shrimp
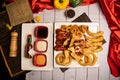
{"x": 100, "y": 33}
{"x": 94, "y": 39}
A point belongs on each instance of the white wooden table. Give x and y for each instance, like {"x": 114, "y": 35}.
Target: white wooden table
{"x": 97, "y": 73}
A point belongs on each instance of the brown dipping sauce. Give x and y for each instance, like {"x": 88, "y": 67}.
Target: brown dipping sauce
{"x": 41, "y": 32}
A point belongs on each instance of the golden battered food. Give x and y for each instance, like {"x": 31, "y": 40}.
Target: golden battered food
{"x": 96, "y": 39}
{"x": 64, "y": 58}
{"x": 94, "y": 59}
{"x": 67, "y": 61}
{"x": 85, "y": 60}
{"x": 98, "y": 49}
{"x": 75, "y": 56}
{"x": 88, "y": 60}
{"x": 83, "y": 28}
{"x": 72, "y": 49}
{"x": 66, "y": 42}
{"x": 59, "y": 58}
{"x": 74, "y": 38}
{"x": 80, "y": 44}
{"x": 63, "y": 27}
{"x": 68, "y": 28}
{"x": 90, "y": 44}
{"x": 100, "y": 33}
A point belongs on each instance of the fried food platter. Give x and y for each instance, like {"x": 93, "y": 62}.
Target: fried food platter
{"x": 77, "y": 44}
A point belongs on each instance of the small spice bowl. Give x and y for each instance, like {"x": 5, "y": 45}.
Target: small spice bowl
{"x": 41, "y": 32}
{"x": 39, "y": 60}
{"x": 70, "y": 13}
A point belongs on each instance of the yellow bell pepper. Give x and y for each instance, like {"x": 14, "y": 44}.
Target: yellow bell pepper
{"x": 61, "y": 4}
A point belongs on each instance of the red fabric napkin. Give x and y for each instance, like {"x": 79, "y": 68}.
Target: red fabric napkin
{"x": 40, "y": 5}
{"x": 111, "y": 9}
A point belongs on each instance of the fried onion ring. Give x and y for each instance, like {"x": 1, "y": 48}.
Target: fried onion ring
{"x": 88, "y": 60}
{"x": 64, "y": 58}
{"x": 60, "y": 58}
{"x": 85, "y": 61}
{"x": 67, "y": 61}
{"x": 94, "y": 59}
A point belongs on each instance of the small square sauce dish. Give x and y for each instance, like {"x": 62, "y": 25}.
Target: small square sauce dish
{"x": 41, "y": 32}
{"x": 41, "y": 45}
{"x": 40, "y": 60}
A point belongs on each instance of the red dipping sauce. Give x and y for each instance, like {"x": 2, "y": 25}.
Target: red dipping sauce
{"x": 41, "y": 32}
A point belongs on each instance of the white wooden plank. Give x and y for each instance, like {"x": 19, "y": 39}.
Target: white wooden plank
{"x": 60, "y": 15}
{"x": 81, "y": 74}
{"x": 114, "y": 78}
{"x": 48, "y": 15}
{"x": 46, "y": 75}
{"x": 81, "y": 9}
{"x": 35, "y": 75}
{"x": 93, "y": 73}
{"x": 58, "y": 74}
{"x": 94, "y": 12}
{"x": 103, "y": 67}
{"x": 70, "y": 74}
